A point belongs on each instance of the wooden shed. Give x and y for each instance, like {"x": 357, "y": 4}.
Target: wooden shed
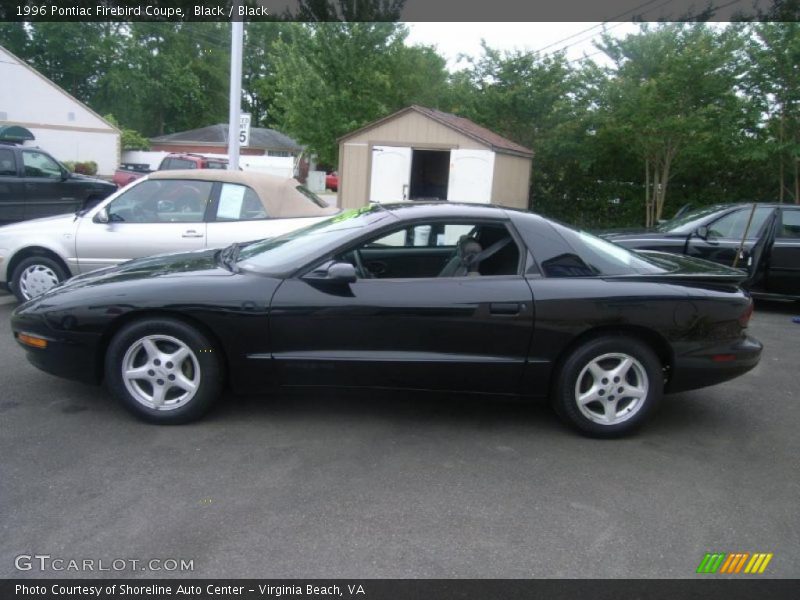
{"x": 420, "y": 153}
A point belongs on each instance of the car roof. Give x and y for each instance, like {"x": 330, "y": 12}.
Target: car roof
{"x": 430, "y": 209}
{"x": 728, "y": 205}
{"x": 279, "y": 195}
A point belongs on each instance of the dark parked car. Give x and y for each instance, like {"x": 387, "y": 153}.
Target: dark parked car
{"x": 33, "y": 184}
{"x": 771, "y": 250}
{"x": 442, "y": 296}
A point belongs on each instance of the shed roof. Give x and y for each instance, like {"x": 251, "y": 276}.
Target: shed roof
{"x": 494, "y": 140}
{"x": 260, "y": 137}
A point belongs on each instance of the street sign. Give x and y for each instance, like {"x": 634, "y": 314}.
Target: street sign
{"x": 244, "y": 129}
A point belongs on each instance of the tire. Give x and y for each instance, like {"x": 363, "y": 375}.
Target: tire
{"x": 157, "y": 389}
{"x": 35, "y": 275}
{"x": 609, "y": 386}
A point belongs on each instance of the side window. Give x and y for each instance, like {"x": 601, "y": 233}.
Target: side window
{"x": 40, "y": 165}
{"x": 170, "y": 164}
{"x": 433, "y": 250}
{"x": 8, "y": 166}
{"x": 733, "y": 224}
{"x": 421, "y": 236}
{"x": 790, "y": 227}
{"x": 162, "y": 201}
{"x": 239, "y": 203}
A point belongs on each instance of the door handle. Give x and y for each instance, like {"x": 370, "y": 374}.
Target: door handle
{"x": 191, "y": 233}
{"x": 505, "y": 308}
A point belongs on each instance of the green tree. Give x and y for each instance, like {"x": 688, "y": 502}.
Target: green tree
{"x": 259, "y": 85}
{"x": 672, "y": 97}
{"x": 347, "y": 10}
{"x": 541, "y": 102}
{"x": 773, "y": 81}
{"x": 332, "y": 78}
{"x": 176, "y": 76}
{"x": 130, "y": 138}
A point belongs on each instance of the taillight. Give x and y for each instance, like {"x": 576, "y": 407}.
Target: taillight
{"x": 744, "y": 319}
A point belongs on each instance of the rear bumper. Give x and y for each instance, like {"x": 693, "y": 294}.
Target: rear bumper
{"x": 714, "y": 364}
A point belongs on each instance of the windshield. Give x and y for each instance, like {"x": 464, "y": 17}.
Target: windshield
{"x": 686, "y": 223}
{"x": 296, "y": 248}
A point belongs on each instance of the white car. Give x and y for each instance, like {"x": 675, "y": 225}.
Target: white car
{"x": 167, "y": 211}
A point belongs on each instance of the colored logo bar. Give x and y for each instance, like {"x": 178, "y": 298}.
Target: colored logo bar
{"x": 734, "y": 562}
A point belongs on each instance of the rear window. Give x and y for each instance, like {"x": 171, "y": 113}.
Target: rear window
{"x": 585, "y": 255}
{"x": 177, "y": 163}
{"x": 312, "y": 196}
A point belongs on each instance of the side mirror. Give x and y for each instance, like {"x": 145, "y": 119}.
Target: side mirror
{"x": 702, "y": 232}
{"x": 64, "y": 174}
{"x": 334, "y": 272}
{"x": 342, "y": 272}
{"x": 101, "y": 216}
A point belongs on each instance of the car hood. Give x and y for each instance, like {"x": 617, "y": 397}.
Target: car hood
{"x": 90, "y": 179}
{"x": 45, "y": 224}
{"x": 128, "y": 278}
{"x": 180, "y": 264}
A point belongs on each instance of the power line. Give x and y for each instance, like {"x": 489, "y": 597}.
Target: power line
{"x": 712, "y": 10}
{"x": 569, "y": 37}
{"x": 620, "y": 24}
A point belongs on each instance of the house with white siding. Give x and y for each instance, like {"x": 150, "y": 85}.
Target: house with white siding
{"x": 59, "y": 123}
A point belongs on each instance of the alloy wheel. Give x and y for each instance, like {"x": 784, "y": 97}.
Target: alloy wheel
{"x": 611, "y": 388}
{"x": 161, "y": 372}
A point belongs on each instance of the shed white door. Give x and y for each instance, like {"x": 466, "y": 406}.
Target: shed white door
{"x": 471, "y": 174}
{"x": 391, "y": 174}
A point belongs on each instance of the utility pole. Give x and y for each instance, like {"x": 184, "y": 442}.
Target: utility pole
{"x": 234, "y": 113}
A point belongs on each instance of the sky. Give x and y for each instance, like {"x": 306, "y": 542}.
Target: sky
{"x": 452, "y": 39}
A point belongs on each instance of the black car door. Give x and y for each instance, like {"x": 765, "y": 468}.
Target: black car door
{"x": 463, "y": 332}
{"x": 12, "y": 195}
{"x": 722, "y": 238}
{"x": 46, "y": 190}
{"x": 784, "y": 263}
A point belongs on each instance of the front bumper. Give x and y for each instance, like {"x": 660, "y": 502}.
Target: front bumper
{"x": 709, "y": 365}
{"x": 72, "y": 355}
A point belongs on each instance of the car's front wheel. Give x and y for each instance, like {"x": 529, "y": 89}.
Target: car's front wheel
{"x": 35, "y": 275}
{"x": 608, "y": 386}
{"x": 164, "y": 370}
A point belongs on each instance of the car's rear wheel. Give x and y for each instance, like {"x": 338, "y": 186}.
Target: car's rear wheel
{"x": 609, "y": 386}
{"x": 164, "y": 370}
{"x": 35, "y": 275}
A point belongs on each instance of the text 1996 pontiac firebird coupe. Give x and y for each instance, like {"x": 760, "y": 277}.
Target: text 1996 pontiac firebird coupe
{"x": 434, "y": 296}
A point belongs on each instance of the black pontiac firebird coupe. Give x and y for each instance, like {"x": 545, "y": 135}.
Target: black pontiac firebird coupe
{"x": 432, "y": 296}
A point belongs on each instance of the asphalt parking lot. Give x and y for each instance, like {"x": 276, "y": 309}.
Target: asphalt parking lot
{"x": 332, "y": 484}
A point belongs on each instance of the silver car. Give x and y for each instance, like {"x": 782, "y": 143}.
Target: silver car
{"x": 167, "y": 211}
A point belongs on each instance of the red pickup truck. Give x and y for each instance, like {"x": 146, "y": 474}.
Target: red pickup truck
{"x": 129, "y": 172}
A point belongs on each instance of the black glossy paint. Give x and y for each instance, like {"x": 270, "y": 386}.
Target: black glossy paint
{"x": 495, "y": 334}
{"x": 778, "y": 271}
